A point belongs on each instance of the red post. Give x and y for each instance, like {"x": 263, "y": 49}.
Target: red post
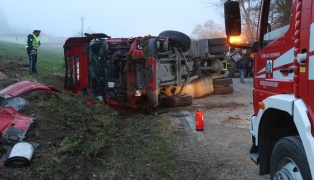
{"x": 199, "y": 120}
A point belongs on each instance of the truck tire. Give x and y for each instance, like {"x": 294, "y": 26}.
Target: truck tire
{"x": 183, "y": 40}
{"x": 222, "y": 82}
{"x": 176, "y": 100}
{"x": 288, "y": 160}
{"x": 152, "y": 46}
{"x": 223, "y": 90}
{"x": 217, "y": 42}
{"x": 232, "y": 67}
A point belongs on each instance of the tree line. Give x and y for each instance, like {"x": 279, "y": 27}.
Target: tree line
{"x": 249, "y": 10}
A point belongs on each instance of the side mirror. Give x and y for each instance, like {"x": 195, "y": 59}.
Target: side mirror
{"x": 232, "y": 18}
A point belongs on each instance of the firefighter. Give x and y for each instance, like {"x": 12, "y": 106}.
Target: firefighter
{"x": 32, "y": 45}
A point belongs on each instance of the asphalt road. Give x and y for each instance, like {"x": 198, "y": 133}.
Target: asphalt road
{"x": 246, "y": 87}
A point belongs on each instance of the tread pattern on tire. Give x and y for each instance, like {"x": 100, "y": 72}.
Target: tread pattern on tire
{"x": 182, "y": 39}
{"x": 222, "y": 82}
{"x": 292, "y": 148}
{"x": 223, "y": 90}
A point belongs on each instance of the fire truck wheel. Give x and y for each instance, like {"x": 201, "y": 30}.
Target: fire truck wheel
{"x": 176, "y": 100}
{"x": 179, "y": 38}
{"x": 223, "y": 90}
{"x": 288, "y": 160}
{"x": 232, "y": 67}
{"x": 217, "y": 42}
{"x": 222, "y": 82}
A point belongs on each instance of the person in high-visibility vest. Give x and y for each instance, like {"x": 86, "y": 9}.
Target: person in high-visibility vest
{"x": 32, "y": 45}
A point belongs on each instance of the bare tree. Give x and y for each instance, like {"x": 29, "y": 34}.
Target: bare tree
{"x": 249, "y": 14}
{"x": 83, "y": 28}
{"x": 209, "y": 29}
{"x": 280, "y": 13}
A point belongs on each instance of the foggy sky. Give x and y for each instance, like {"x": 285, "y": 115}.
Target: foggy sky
{"x": 117, "y": 18}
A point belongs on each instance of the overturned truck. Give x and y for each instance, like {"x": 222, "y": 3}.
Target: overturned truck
{"x": 141, "y": 71}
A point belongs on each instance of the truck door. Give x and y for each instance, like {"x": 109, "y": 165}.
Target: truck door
{"x": 76, "y": 53}
{"x": 304, "y": 61}
{"x": 274, "y": 65}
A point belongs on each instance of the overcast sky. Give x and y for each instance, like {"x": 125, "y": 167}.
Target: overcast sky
{"x": 117, "y": 18}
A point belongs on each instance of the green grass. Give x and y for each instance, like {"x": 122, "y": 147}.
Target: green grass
{"x": 120, "y": 148}
{"x": 50, "y": 58}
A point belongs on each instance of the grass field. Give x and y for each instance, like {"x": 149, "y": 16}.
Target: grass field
{"x": 50, "y": 58}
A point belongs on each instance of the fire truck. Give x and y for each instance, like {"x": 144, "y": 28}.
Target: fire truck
{"x": 282, "y": 124}
{"x": 168, "y": 69}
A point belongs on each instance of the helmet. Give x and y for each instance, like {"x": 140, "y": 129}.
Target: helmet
{"x": 37, "y": 30}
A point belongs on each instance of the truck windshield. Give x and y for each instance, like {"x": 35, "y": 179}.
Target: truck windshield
{"x": 279, "y": 17}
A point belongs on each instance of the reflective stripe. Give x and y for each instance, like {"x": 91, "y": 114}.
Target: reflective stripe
{"x": 312, "y": 37}
{"x": 284, "y": 59}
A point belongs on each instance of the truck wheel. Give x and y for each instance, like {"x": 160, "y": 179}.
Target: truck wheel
{"x": 232, "y": 68}
{"x": 179, "y": 38}
{"x": 152, "y": 46}
{"x": 176, "y": 100}
{"x": 222, "y": 82}
{"x": 223, "y": 90}
{"x": 288, "y": 160}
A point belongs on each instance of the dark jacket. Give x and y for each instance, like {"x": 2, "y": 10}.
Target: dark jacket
{"x": 242, "y": 64}
{"x": 30, "y": 40}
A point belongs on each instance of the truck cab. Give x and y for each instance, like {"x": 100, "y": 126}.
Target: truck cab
{"x": 282, "y": 124}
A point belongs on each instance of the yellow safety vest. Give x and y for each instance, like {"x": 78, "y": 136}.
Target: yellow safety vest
{"x": 35, "y": 42}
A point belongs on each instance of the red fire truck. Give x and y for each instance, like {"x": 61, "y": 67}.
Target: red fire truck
{"x": 282, "y": 125}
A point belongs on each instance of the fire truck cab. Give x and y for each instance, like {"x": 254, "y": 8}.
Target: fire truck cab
{"x": 282, "y": 124}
